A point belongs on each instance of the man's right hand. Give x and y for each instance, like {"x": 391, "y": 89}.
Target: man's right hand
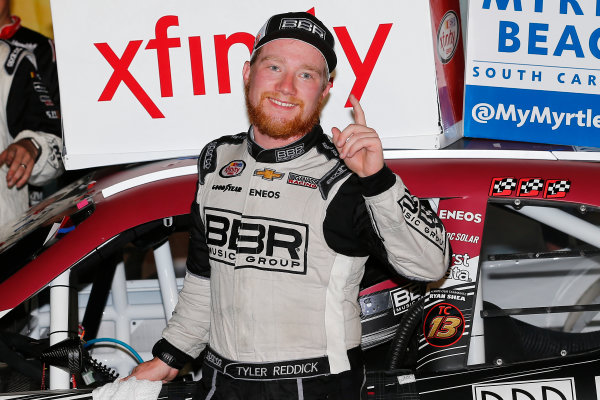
{"x": 154, "y": 370}
{"x": 19, "y": 157}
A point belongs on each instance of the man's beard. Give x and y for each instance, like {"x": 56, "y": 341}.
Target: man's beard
{"x": 280, "y": 129}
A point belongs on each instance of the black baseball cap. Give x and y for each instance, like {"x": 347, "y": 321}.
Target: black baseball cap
{"x": 300, "y": 26}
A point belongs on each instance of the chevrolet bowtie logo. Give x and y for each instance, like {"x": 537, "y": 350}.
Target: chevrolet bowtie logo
{"x": 268, "y": 174}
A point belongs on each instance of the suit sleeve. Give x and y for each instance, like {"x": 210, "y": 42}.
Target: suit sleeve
{"x": 31, "y": 113}
{"x": 29, "y": 105}
{"x": 412, "y": 235}
{"x": 46, "y": 65}
{"x": 187, "y": 330}
{"x": 377, "y": 216}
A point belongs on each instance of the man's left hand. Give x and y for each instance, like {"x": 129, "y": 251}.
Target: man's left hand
{"x": 359, "y": 145}
{"x": 19, "y": 157}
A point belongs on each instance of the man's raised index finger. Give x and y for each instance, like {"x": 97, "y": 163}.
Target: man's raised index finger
{"x": 359, "y": 114}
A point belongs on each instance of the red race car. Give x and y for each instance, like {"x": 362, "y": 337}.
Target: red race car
{"x": 91, "y": 274}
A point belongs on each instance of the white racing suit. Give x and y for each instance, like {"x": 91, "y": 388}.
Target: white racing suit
{"x": 26, "y": 111}
{"x": 277, "y": 253}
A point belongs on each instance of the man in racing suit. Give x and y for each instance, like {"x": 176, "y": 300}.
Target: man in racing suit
{"x": 30, "y": 142}
{"x": 44, "y": 58}
{"x": 41, "y": 46}
{"x": 285, "y": 220}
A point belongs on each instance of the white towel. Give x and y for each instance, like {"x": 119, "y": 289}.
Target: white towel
{"x": 131, "y": 389}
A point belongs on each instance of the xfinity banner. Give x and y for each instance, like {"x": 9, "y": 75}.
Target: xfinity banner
{"x": 533, "y": 71}
{"x": 157, "y": 79}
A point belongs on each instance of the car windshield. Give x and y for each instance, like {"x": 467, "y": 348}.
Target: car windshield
{"x": 43, "y": 225}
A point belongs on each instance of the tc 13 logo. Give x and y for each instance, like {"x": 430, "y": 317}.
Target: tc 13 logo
{"x": 443, "y": 325}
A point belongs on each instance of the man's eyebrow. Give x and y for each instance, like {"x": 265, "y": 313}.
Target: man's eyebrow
{"x": 309, "y": 67}
{"x": 272, "y": 58}
{"x": 312, "y": 68}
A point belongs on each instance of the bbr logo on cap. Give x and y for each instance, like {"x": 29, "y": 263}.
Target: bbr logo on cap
{"x": 302, "y": 23}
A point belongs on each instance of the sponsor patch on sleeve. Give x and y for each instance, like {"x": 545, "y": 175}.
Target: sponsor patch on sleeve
{"x": 421, "y": 217}
{"x": 302, "y": 180}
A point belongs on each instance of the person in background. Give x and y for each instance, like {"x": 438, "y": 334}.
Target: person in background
{"x": 42, "y": 48}
{"x": 285, "y": 218}
{"x": 30, "y": 142}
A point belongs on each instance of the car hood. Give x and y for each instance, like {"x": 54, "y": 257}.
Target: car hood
{"x": 55, "y": 234}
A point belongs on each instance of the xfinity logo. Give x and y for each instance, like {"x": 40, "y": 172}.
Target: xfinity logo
{"x": 256, "y": 242}
{"x": 555, "y": 389}
{"x": 448, "y": 36}
{"x": 166, "y": 42}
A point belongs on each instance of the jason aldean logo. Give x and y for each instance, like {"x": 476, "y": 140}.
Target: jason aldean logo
{"x": 255, "y": 242}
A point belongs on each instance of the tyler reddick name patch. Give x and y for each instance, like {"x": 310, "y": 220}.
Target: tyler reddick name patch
{"x": 244, "y": 241}
{"x": 277, "y": 371}
{"x": 271, "y": 370}
{"x": 302, "y": 180}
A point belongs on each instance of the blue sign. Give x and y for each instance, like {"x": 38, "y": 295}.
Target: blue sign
{"x": 528, "y": 115}
{"x": 533, "y": 71}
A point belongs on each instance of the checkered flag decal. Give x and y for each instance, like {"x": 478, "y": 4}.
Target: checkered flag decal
{"x": 557, "y": 187}
{"x": 504, "y": 185}
{"x": 532, "y": 185}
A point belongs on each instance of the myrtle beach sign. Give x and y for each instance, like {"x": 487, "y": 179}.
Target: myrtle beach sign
{"x": 533, "y": 71}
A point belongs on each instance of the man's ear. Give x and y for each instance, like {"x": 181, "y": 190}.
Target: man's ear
{"x": 327, "y": 88}
{"x": 246, "y": 72}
